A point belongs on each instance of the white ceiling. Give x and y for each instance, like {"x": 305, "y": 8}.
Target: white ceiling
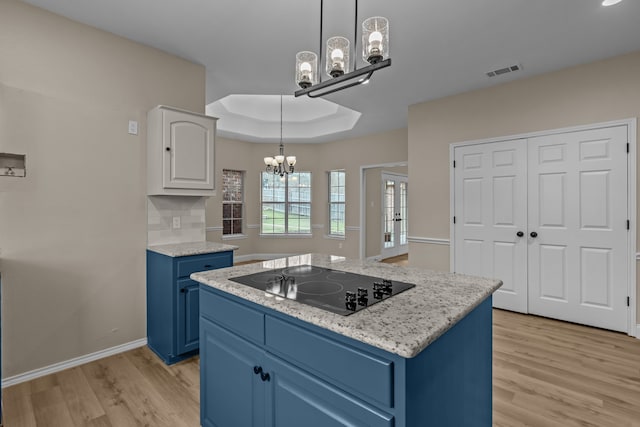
{"x": 438, "y": 48}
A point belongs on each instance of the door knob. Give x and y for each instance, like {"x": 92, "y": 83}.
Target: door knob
{"x": 533, "y": 234}
{"x": 519, "y": 234}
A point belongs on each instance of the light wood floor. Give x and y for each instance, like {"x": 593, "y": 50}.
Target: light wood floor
{"x": 400, "y": 260}
{"x": 546, "y": 374}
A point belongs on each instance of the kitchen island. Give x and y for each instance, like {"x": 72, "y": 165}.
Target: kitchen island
{"x": 420, "y": 358}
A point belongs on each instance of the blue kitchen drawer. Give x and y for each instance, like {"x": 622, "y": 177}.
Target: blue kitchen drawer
{"x": 242, "y": 320}
{"x": 367, "y": 376}
{"x": 193, "y": 264}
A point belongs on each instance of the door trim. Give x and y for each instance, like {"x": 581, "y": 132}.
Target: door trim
{"x": 363, "y": 197}
{"x": 631, "y": 124}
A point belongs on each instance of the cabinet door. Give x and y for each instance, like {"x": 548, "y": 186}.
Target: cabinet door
{"x": 188, "y": 320}
{"x": 231, "y": 394}
{"x": 188, "y": 151}
{"x": 296, "y": 399}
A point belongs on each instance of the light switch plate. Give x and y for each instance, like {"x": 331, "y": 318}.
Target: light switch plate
{"x": 176, "y": 222}
{"x": 133, "y": 127}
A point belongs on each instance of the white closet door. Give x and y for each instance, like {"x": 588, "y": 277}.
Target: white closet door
{"x": 578, "y": 208}
{"x": 490, "y": 207}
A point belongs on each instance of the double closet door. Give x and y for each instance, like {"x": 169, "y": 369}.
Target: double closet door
{"x": 548, "y": 216}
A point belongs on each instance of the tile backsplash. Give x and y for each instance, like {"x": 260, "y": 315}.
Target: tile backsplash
{"x": 161, "y": 211}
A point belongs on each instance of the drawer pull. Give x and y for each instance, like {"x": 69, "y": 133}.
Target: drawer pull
{"x": 257, "y": 370}
{"x": 208, "y": 266}
{"x": 265, "y": 376}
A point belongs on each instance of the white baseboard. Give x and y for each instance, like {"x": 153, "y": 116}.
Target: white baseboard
{"x": 374, "y": 258}
{"x": 638, "y": 331}
{"x": 71, "y": 363}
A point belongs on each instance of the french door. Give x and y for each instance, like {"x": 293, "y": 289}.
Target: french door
{"x": 548, "y": 216}
{"x": 395, "y": 224}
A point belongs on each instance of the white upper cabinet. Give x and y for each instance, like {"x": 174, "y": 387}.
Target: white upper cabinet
{"x": 180, "y": 153}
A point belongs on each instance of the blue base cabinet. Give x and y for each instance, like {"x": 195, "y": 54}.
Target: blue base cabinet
{"x": 173, "y": 302}
{"x": 260, "y": 368}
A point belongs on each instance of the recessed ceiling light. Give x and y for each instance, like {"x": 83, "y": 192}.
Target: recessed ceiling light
{"x": 610, "y": 2}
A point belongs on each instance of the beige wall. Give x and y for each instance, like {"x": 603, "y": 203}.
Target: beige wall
{"x": 73, "y": 232}
{"x": 349, "y": 155}
{"x": 598, "y": 92}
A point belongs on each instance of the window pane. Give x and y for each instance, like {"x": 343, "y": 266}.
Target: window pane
{"x": 237, "y": 210}
{"x": 337, "y": 219}
{"x": 273, "y": 188}
{"x": 237, "y": 226}
{"x": 273, "y": 218}
{"x": 232, "y": 198}
{"x": 299, "y": 218}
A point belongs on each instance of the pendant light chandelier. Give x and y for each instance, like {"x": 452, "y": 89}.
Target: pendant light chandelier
{"x": 277, "y": 164}
{"x": 375, "y": 51}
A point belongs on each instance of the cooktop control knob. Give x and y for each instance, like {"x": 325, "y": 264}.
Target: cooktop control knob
{"x": 350, "y": 296}
{"x": 363, "y": 292}
{"x": 387, "y": 286}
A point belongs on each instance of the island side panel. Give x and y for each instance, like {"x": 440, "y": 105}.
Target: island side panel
{"x": 450, "y": 382}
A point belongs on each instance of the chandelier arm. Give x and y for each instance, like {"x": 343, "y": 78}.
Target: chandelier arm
{"x": 369, "y": 70}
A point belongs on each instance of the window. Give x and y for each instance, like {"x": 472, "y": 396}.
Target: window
{"x": 336, "y": 203}
{"x": 286, "y": 203}
{"x": 232, "y": 201}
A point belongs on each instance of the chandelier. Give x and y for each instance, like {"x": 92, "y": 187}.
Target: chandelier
{"x": 277, "y": 164}
{"x": 375, "y": 51}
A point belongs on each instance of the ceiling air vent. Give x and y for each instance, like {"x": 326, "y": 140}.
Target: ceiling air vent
{"x": 505, "y": 70}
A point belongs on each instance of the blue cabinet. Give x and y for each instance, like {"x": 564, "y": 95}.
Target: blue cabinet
{"x": 243, "y": 384}
{"x": 261, "y": 368}
{"x": 173, "y": 302}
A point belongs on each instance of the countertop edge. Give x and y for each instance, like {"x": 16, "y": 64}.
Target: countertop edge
{"x": 445, "y": 316}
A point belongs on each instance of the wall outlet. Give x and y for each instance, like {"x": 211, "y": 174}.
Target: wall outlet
{"x": 340, "y": 245}
{"x": 176, "y": 222}
{"x": 133, "y": 127}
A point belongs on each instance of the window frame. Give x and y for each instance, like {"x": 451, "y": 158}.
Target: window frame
{"x": 287, "y": 204}
{"x": 242, "y": 234}
{"x": 331, "y": 204}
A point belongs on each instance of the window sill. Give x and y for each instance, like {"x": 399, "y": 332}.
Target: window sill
{"x": 234, "y": 237}
{"x": 334, "y": 237}
{"x": 288, "y": 236}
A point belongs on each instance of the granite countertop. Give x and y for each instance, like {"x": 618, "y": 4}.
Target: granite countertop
{"x": 405, "y": 324}
{"x": 192, "y": 248}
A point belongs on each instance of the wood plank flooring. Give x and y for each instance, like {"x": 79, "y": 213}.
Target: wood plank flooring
{"x": 546, "y": 374}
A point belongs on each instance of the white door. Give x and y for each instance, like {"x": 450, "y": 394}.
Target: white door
{"x": 490, "y": 217}
{"x": 578, "y": 227}
{"x": 395, "y": 221}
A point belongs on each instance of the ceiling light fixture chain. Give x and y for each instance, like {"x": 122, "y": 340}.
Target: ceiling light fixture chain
{"x": 375, "y": 50}
{"x": 277, "y": 164}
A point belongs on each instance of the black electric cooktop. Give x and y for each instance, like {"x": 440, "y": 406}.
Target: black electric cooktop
{"x": 333, "y": 290}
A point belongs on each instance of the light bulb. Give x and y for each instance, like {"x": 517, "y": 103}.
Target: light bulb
{"x": 337, "y": 54}
{"x": 376, "y": 36}
{"x": 280, "y": 159}
{"x": 268, "y": 160}
{"x": 305, "y": 68}
{"x": 291, "y": 160}
{"x": 274, "y": 163}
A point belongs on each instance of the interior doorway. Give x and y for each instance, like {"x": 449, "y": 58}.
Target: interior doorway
{"x": 395, "y": 190}
{"x": 373, "y": 215}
